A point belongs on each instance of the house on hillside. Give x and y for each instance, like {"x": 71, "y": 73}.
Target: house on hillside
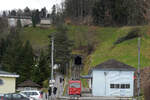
{"x": 25, "y": 21}
{"x": 112, "y": 78}
{"x": 7, "y": 82}
{"x": 45, "y": 21}
{"x": 27, "y": 85}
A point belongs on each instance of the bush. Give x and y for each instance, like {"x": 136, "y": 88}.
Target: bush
{"x": 135, "y": 32}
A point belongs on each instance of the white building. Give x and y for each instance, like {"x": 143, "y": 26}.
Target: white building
{"x": 12, "y": 21}
{"x": 45, "y": 22}
{"x": 112, "y": 78}
{"x": 25, "y": 21}
{"x": 7, "y": 82}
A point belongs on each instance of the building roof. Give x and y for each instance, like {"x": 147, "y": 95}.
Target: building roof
{"x": 114, "y": 65}
{"x": 28, "y": 83}
{"x": 7, "y": 74}
{"x": 86, "y": 76}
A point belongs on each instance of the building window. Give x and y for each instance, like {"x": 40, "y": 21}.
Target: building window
{"x": 120, "y": 86}
{"x": 117, "y": 86}
{"x": 111, "y": 85}
{"x": 123, "y": 86}
{"x": 127, "y": 86}
{"x": 1, "y": 82}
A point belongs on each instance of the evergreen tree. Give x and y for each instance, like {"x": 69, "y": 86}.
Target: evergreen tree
{"x": 19, "y": 26}
{"x": 43, "y": 12}
{"x": 3, "y": 26}
{"x": 63, "y": 48}
{"x": 78, "y": 8}
{"x": 10, "y": 59}
{"x": 4, "y": 14}
{"x": 27, "y": 60}
{"x": 2, "y": 48}
{"x": 35, "y": 18}
{"x": 41, "y": 70}
{"x": 27, "y": 12}
{"x": 19, "y": 12}
{"x": 13, "y": 13}
{"x": 53, "y": 14}
{"x": 119, "y": 12}
{"x": 33, "y": 21}
{"x": 18, "y": 58}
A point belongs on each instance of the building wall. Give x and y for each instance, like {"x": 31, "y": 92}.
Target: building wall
{"x": 45, "y": 21}
{"x": 8, "y": 86}
{"x": 98, "y": 86}
{"x": 26, "y": 88}
{"x": 103, "y": 79}
{"x": 12, "y": 22}
{"x": 25, "y": 22}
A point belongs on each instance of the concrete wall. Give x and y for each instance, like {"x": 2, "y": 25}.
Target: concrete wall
{"x": 103, "y": 79}
{"x": 8, "y": 86}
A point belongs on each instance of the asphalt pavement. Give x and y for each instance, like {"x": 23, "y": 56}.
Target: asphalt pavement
{"x": 94, "y": 98}
{"x": 59, "y": 85}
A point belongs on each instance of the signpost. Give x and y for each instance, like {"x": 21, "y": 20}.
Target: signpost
{"x": 51, "y": 83}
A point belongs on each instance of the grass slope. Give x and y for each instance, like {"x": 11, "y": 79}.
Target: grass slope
{"x": 126, "y": 51}
{"x": 37, "y": 36}
{"x": 104, "y": 38}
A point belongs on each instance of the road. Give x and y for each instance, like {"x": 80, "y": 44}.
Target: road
{"x": 59, "y": 86}
{"x": 91, "y": 98}
{"x": 95, "y": 98}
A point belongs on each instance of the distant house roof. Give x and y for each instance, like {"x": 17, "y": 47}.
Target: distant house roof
{"x": 28, "y": 83}
{"x": 7, "y": 74}
{"x": 113, "y": 65}
{"x": 20, "y": 17}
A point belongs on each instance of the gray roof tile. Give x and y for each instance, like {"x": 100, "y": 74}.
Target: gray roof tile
{"x": 6, "y": 73}
{"x": 114, "y": 65}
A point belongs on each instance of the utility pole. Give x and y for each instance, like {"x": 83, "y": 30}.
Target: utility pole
{"x": 138, "y": 82}
{"x": 52, "y": 64}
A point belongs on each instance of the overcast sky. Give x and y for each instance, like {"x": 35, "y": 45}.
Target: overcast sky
{"x": 15, "y": 4}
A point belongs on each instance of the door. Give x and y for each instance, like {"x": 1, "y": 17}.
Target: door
{"x": 119, "y": 84}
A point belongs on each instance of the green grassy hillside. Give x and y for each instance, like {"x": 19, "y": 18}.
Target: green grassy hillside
{"x": 103, "y": 39}
{"x": 37, "y": 36}
{"x": 126, "y": 51}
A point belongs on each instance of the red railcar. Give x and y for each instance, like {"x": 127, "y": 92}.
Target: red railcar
{"x": 75, "y": 87}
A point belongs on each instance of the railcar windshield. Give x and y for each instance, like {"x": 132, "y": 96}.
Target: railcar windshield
{"x": 74, "y": 85}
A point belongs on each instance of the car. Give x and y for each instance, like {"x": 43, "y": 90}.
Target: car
{"x": 27, "y": 96}
{"x": 1, "y": 96}
{"x": 15, "y": 96}
{"x": 33, "y": 94}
